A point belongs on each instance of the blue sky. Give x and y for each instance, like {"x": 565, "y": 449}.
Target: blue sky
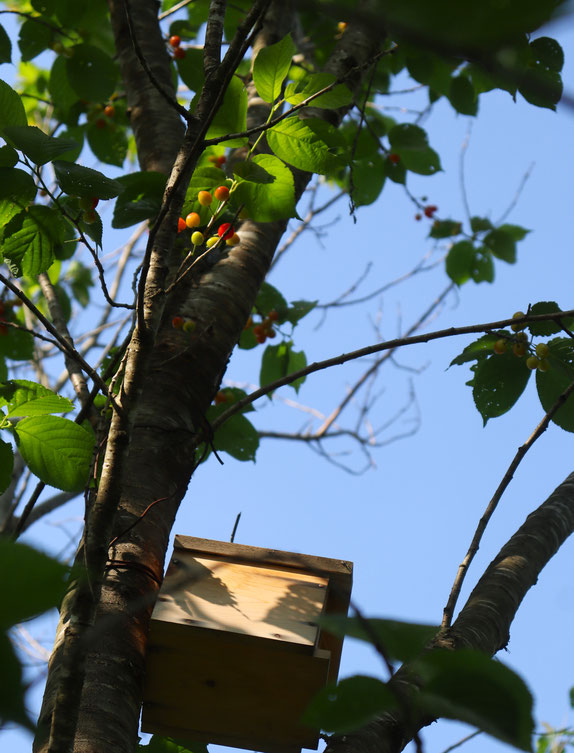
{"x": 407, "y": 522}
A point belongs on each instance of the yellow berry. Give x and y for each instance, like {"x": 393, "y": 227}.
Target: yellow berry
{"x": 204, "y": 198}
{"x": 532, "y": 362}
{"x": 521, "y": 337}
{"x": 519, "y": 349}
{"x": 189, "y": 325}
{"x": 500, "y": 346}
{"x": 517, "y": 327}
{"x": 542, "y": 350}
{"x": 234, "y": 240}
{"x": 212, "y": 241}
{"x": 197, "y": 238}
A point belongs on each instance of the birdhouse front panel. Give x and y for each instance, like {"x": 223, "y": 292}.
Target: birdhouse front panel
{"x": 235, "y": 653}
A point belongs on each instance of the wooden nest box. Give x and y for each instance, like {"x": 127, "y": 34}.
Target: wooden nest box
{"x": 235, "y": 653}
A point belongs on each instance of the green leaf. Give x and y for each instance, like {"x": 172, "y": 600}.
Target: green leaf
{"x": 238, "y": 437}
{"x": 25, "y": 398}
{"x": 271, "y": 66}
{"x": 33, "y": 39}
{"x": 158, "y": 744}
{"x": 470, "y": 687}
{"x": 460, "y": 261}
{"x": 516, "y": 232}
{"x": 17, "y": 345}
{"x": 502, "y": 244}
{"x": 422, "y": 162}
{"x": 368, "y": 179}
{"x": 298, "y": 309}
{"x": 483, "y": 267}
{"x": 267, "y": 202}
{"x": 479, "y": 348}
{"x": 63, "y": 96}
{"x": 36, "y": 144}
{"x": 231, "y": 116}
{"x": 445, "y": 228}
{"x": 140, "y": 199}
{"x": 250, "y": 170}
{"x": 76, "y": 135}
{"x": 479, "y": 224}
{"x": 548, "y": 52}
{"x": 57, "y": 450}
{"x": 80, "y": 281}
{"x": 12, "y": 693}
{"x": 296, "y": 143}
{"x": 5, "y": 46}
{"x": 498, "y": 383}
{"x": 12, "y": 110}
{"x": 37, "y": 582}
{"x": 401, "y": 641}
{"x": 408, "y": 136}
{"x": 190, "y": 69}
{"x": 16, "y": 186}
{"x": 549, "y": 327}
{"x": 270, "y": 299}
{"x": 410, "y": 142}
{"x": 298, "y": 92}
{"x": 92, "y": 73}
{"x": 83, "y": 181}
{"x": 8, "y": 156}
{"x": 279, "y": 361}
{"x": 541, "y": 87}
{"x": 552, "y": 383}
{"x": 29, "y": 240}
{"x": 462, "y": 96}
{"x": 6, "y": 465}
{"x": 349, "y": 705}
{"x": 109, "y": 144}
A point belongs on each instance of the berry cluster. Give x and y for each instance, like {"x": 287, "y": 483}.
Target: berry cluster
{"x": 263, "y": 329}
{"x": 88, "y": 206}
{"x": 217, "y": 161}
{"x": 226, "y": 230}
{"x": 181, "y": 322}
{"x": 520, "y": 346}
{"x": 177, "y": 51}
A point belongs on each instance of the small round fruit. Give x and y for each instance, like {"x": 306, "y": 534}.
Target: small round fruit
{"x": 273, "y": 316}
{"x": 418, "y": 216}
{"x": 519, "y": 349}
{"x": 342, "y": 26}
{"x": 221, "y": 193}
{"x": 258, "y": 330}
{"x": 175, "y": 41}
{"x": 394, "y": 158}
{"x": 179, "y": 53}
{"x": 234, "y": 240}
{"x": 221, "y": 160}
{"x": 204, "y": 198}
{"x": 110, "y": 111}
{"x": 212, "y": 241}
{"x": 517, "y": 327}
{"x": 177, "y": 322}
{"x": 532, "y": 362}
{"x": 189, "y": 325}
{"x": 542, "y": 350}
{"x": 500, "y": 346}
{"x": 226, "y": 230}
{"x": 271, "y": 333}
{"x": 197, "y": 238}
{"x": 89, "y": 217}
{"x": 101, "y": 123}
{"x": 193, "y": 220}
{"x": 430, "y": 210}
{"x": 261, "y": 338}
{"x": 521, "y": 337}
{"x": 89, "y": 202}
{"x": 181, "y": 225}
{"x": 220, "y": 397}
{"x": 544, "y": 364}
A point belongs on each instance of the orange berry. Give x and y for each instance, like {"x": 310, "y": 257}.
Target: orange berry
{"x": 181, "y": 225}
{"x": 221, "y": 193}
{"x": 193, "y": 220}
{"x": 110, "y": 111}
{"x": 342, "y": 26}
{"x": 204, "y": 198}
{"x": 273, "y": 316}
{"x": 175, "y": 41}
{"x": 179, "y": 53}
{"x": 430, "y": 210}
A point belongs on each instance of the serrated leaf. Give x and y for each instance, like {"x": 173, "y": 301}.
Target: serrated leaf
{"x": 231, "y": 116}
{"x": 5, "y": 47}
{"x": 33, "y": 39}
{"x": 91, "y": 72}
{"x": 25, "y": 398}
{"x": 83, "y": 181}
{"x": 36, "y": 144}
{"x": 401, "y": 641}
{"x": 29, "y": 240}
{"x": 479, "y": 348}
{"x": 238, "y": 437}
{"x": 445, "y": 228}
{"x": 250, "y": 170}
{"x": 75, "y": 134}
{"x": 267, "y": 202}
{"x": 349, "y": 705}
{"x": 549, "y": 327}
{"x": 552, "y": 383}
{"x": 498, "y": 383}
{"x": 57, "y": 450}
{"x": 293, "y": 141}
{"x": 339, "y": 96}
{"x": 280, "y": 360}
{"x": 271, "y": 66}
{"x": 37, "y": 582}
{"x": 470, "y": 687}
{"x": 460, "y": 261}
{"x": 109, "y": 144}
{"x": 12, "y": 110}
{"x": 140, "y": 198}
{"x": 368, "y": 179}
{"x": 6, "y": 465}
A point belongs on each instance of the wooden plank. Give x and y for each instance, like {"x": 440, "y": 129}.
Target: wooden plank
{"x": 200, "y": 683}
{"x": 236, "y": 597}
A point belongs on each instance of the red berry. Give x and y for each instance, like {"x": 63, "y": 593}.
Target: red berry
{"x": 110, "y": 111}
{"x": 100, "y": 123}
{"x": 273, "y": 316}
{"x": 181, "y": 225}
{"x": 226, "y": 230}
{"x": 221, "y": 193}
{"x": 430, "y": 210}
{"x": 175, "y": 41}
{"x": 261, "y": 338}
{"x": 177, "y": 322}
{"x": 221, "y": 160}
{"x": 418, "y": 216}
{"x": 258, "y": 330}
{"x": 220, "y": 397}
{"x": 179, "y": 53}
{"x": 271, "y": 332}
{"x": 394, "y": 158}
